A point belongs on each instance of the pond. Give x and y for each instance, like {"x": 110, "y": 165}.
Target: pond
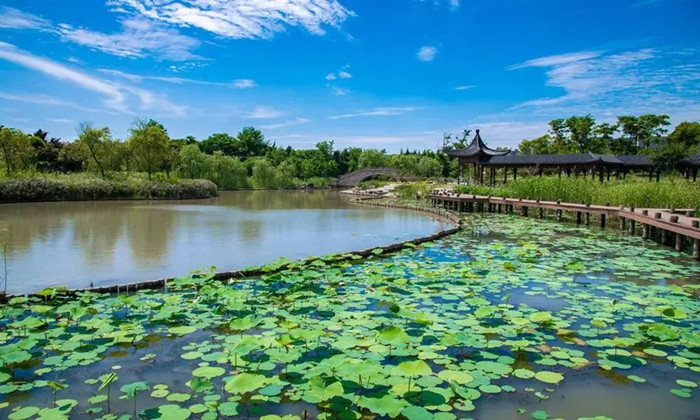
{"x": 500, "y": 324}
{"x": 111, "y": 242}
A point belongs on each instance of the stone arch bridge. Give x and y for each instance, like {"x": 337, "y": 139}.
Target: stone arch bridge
{"x": 351, "y": 179}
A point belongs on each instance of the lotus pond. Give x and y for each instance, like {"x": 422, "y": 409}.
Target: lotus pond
{"x": 511, "y": 318}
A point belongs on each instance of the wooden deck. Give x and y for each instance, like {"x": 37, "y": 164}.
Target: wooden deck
{"x": 654, "y": 222}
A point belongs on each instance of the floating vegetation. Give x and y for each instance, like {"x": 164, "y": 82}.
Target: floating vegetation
{"x": 433, "y": 332}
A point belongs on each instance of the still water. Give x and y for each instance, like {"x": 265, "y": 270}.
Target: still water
{"x": 107, "y": 242}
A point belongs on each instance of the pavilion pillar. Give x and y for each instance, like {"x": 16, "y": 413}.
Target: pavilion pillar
{"x": 695, "y": 174}
{"x": 505, "y": 175}
{"x": 559, "y": 171}
{"x": 460, "y": 173}
{"x": 515, "y": 174}
{"x": 600, "y": 172}
{"x": 658, "y": 174}
{"x": 608, "y": 172}
{"x": 651, "y": 173}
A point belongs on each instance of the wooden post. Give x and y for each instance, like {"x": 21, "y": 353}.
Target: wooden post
{"x": 663, "y": 231}
{"x": 658, "y": 175}
{"x": 515, "y": 174}
{"x": 559, "y": 212}
{"x": 541, "y": 211}
{"x": 498, "y": 208}
{"x": 559, "y": 171}
{"x": 588, "y": 216}
{"x": 679, "y": 237}
{"x": 645, "y": 227}
{"x": 505, "y": 175}
{"x": 622, "y": 220}
{"x": 578, "y": 217}
{"x": 696, "y": 242}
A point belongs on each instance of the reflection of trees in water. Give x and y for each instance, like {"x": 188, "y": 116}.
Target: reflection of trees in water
{"x": 96, "y": 230}
{"x": 26, "y": 223}
{"x": 149, "y": 230}
{"x": 283, "y": 200}
{"x": 250, "y": 230}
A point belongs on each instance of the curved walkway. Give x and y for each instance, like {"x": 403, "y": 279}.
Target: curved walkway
{"x": 353, "y": 178}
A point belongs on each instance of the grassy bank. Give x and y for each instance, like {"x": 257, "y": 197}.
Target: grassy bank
{"x": 77, "y": 187}
{"x": 678, "y": 193}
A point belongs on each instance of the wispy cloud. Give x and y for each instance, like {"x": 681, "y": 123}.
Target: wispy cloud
{"x": 264, "y": 112}
{"x": 47, "y": 101}
{"x": 645, "y": 80}
{"x": 284, "y": 124}
{"x": 139, "y": 38}
{"x": 60, "y": 120}
{"x": 236, "y": 84}
{"x": 115, "y": 95}
{"x": 557, "y": 60}
{"x": 377, "y": 112}
{"x": 331, "y": 76}
{"x": 242, "y": 18}
{"x": 464, "y": 87}
{"x": 337, "y": 91}
{"x": 11, "y": 18}
{"x": 426, "y": 53}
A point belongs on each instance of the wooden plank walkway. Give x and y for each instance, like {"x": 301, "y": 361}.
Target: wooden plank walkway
{"x": 663, "y": 225}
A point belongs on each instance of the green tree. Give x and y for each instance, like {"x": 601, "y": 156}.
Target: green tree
{"x": 604, "y": 136}
{"x": 560, "y": 136}
{"x": 95, "y": 141}
{"x": 539, "y": 146}
{"x": 251, "y": 142}
{"x": 264, "y": 174}
{"x": 687, "y": 133}
{"x": 644, "y": 129}
{"x": 371, "y": 158}
{"x": 227, "y": 171}
{"x": 428, "y": 167}
{"x": 149, "y": 141}
{"x": 581, "y": 131}
{"x": 221, "y": 142}
{"x": 192, "y": 162}
{"x": 16, "y": 149}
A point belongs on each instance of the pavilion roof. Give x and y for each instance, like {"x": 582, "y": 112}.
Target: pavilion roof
{"x": 568, "y": 160}
{"x": 477, "y": 148}
{"x": 692, "y": 161}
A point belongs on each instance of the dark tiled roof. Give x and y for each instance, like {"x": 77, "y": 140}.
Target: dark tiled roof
{"x": 475, "y": 148}
{"x": 567, "y": 160}
{"x": 693, "y": 160}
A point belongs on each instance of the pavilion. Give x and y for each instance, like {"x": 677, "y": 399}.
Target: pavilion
{"x": 481, "y": 157}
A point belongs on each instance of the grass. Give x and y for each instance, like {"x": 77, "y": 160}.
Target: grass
{"x": 85, "y": 186}
{"x": 678, "y": 193}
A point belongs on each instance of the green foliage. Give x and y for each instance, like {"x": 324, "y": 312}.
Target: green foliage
{"x": 678, "y": 193}
{"x": 89, "y": 187}
{"x": 149, "y": 141}
{"x": 16, "y": 150}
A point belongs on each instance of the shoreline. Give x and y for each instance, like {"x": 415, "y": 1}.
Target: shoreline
{"x": 391, "y": 248}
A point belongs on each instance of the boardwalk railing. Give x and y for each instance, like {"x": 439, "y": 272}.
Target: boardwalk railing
{"x": 662, "y": 225}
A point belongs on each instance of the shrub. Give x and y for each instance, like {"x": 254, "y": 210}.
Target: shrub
{"x": 83, "y": 187}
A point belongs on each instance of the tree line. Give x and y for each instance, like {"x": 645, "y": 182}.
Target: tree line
{"x": 630, "y": 135}
{"x": 241, "y": 161}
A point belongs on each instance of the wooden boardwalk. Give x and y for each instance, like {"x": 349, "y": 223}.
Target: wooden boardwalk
{"x": 667, "y": 226}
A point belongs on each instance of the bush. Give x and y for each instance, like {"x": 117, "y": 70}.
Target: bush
{"x": 84, "y": 187}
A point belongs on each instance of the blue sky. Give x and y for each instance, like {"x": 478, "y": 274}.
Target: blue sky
{"x": 386, "y": 73}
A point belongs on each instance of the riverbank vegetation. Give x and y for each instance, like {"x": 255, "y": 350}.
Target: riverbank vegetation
{"x": 78, "y": 187}
{"x": 679, "y": 193}
{"x": 507, "y": 321}
{"x": 246, "y": 160}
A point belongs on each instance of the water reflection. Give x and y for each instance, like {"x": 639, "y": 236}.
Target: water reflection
{"x": 75, "y": 243}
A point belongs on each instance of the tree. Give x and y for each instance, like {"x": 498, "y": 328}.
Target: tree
{"x": 687, "y": 133}
{"x": 644, "y": 129}
{"x": 264, "y": 175}
{"x": 251, "y": 142}
{"x": 581, "y": 130}
{"x": 192, "y": 163}
{"x": 149, "y": 142}
{"x": 226, "y": 171}
{"x": 539, "y": 146}
{"x": 16, "y": 149}
{"x": 371, "y": 158}
{"x": 560, "y": 136}
{"x": 221, "y": 142}
{"x": 94, "y": 140}
{"x": 428, "y": 167}
{"x": 604, "y": 134}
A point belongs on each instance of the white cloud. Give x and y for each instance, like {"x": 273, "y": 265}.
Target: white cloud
{"x": 241, "y": 18}
{"x": 115, "y": 98}
{"x": 244, "y": 83}
{"x": 46, "y": 100}
{"x": 115, "y": 95}
{"x": 376, "y": 112}
{"x": 237, "y": 84}
{"x": 556, "y": 60}
{"x": 11, "y": 18}
{"x": 331, "y": 76}
{"x": 464, "y": 87}
{"x": 337, "y": 91}
{"x": 284, "y": 124}
{"x": 645, "y": 80}
{"x": 344, "y": 75}
{"x": 454, "y": 4}
{"x": 264, "y": 112}
{"x": 139, "y": 38}
{"x": 61, "y": 120}
{"x": 426, "y": 53}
